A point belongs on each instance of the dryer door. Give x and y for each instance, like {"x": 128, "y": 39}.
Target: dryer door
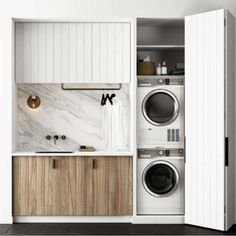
{"x": 160, "y": 178}
{"x": 160, "y": 107}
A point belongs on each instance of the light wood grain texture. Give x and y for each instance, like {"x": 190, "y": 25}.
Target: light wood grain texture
{"x": 73, "y": 52}
{"x": 100, "y": 185}
{"x": 48, "y": 186}
{"x": 16, "y": 186}
{"x": 72, "y": 186}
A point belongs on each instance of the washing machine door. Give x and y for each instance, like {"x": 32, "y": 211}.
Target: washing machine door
{"x": 160, "y": 107}
{"x": 160, "y": 178}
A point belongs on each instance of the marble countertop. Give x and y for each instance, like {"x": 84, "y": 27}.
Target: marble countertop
{"x": 76, "y": 153}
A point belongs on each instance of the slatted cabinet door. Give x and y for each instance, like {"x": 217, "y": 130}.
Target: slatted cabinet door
{"x": 96, "y": 52}
{"x": 209, "y": 120}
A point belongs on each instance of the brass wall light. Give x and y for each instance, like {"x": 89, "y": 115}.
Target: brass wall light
{"x": 33, "y": 101}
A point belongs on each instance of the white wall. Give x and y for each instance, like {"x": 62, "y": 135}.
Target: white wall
{"x": 70, "y": 9}
{"x": 111, "y": 8}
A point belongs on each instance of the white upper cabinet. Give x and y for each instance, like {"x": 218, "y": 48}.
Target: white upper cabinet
{"x": 73, "y": 52}
{"x": 209, "y": 119}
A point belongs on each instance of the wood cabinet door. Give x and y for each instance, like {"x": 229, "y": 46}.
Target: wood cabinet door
{"x": 120, "y": 185}
{"x": 40, "y": 186}
{"x": 61, "y": 186}
{"x": 30, "y": 177}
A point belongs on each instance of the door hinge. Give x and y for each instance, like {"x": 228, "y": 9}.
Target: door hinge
{"x": 224, "y": 21}
{"x": 225, "y": 209}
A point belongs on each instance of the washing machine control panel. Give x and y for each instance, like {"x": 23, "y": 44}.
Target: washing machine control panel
{"x": 151, "y": 153}
{"x": 160, "y": 80}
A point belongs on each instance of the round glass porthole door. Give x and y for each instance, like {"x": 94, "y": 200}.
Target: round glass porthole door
{"x": 160, "y": 107}
{"x": 160, "y": 178}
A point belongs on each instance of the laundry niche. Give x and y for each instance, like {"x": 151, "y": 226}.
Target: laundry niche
{"x": 186, "y": 152}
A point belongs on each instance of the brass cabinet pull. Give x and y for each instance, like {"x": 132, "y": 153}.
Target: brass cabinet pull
{"x": 54, "y": 163}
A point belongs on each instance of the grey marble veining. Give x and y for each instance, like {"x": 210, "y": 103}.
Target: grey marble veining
{"x": 76, "y": 114}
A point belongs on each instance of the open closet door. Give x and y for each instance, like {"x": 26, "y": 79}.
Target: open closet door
{"x": 208, "y": 195}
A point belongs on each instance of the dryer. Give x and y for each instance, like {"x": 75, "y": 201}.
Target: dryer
{"x": 160, "y": 111}
{"x": 160, "y": 183}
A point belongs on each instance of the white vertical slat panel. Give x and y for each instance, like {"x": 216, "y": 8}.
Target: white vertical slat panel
{"x": 49, "y": 52}
{"x": 126, "y": 53}
{"x": 65, "y": 75}
{"x": 204, "y": 119}
{"x": 72, "y": 53}
{"x": 104, "y": 53}
{"x": 118, "y": 53}
{"x": 80, "y": 52}
{"x": 42, "y": 53}
{"x": 34, "y": 50}
{"x": 57, "y": 49}
{"x": 96, "y": 59}
{"x": 27, "y": 53}
{"x": 88, "y": 52}
{"x": 111, "y": 52}
{"x": 230, "y": 118}
{"x": 19, "y": 52}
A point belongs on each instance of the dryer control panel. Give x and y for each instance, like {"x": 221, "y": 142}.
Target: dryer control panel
{"x": 158, "y": 152}
{"x": 147, "y": 81}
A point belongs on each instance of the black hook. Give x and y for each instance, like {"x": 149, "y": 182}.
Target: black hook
{"x": 103, "y": 101}
{"x": 107, "y": 97}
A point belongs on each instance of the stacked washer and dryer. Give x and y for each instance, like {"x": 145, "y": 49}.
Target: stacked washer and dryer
{"x": 160, "y": 184}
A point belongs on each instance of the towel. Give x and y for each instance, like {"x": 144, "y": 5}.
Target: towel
{"x": 115, "y": 126}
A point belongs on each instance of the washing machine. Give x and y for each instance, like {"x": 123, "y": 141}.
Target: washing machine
{"x": 160, "y": 183}
{"x": 160, "y": 111}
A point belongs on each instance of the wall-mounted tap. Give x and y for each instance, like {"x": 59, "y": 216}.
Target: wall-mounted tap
{"x": 55, "y": 137}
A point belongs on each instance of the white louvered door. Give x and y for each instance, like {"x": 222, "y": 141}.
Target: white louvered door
{"x": 205, "y": 92}
{"x": 73, "y": 52}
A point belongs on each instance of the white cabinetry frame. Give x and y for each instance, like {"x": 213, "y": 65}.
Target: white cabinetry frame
{"x": 84, "y": 52}
{"x": 210, "y": 119}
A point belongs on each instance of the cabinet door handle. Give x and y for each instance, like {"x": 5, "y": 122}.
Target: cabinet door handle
{"x": 94, "y": 164}
{"x": 54, "y": 163}
{"x": 184, "y": 149}
{"x": 226, "y": 151}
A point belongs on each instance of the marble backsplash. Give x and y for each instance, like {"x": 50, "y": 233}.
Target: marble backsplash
{"x": 76, "y": 114}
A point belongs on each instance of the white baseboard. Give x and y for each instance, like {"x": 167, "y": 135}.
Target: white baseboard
{"x": 7, "y": 220}
{"x": 139, "y": 219}
{"x": 72, "y": 219}
{"x": 144, "y": 219}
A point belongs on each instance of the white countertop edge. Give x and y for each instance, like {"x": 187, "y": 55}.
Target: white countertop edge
{"x": 76, "y": 153}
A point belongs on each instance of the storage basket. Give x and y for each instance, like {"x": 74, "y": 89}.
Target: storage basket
{"x": 146, "y": 68}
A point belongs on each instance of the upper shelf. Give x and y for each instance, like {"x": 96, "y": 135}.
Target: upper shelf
{"x": 159, "y": 47}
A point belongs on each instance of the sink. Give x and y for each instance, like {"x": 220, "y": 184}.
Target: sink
{"x": 54, "y": 152}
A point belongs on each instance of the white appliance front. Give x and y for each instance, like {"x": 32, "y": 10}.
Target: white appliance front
{"x": 160, "y": 186}
{"x": 160, "y": 111}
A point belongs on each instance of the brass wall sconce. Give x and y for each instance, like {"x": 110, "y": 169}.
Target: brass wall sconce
{"x": 33, "y": 101}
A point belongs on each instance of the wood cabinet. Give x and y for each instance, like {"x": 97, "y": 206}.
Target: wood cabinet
{"x": 96, "y": 52}
{"x": 72, "y": 186}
